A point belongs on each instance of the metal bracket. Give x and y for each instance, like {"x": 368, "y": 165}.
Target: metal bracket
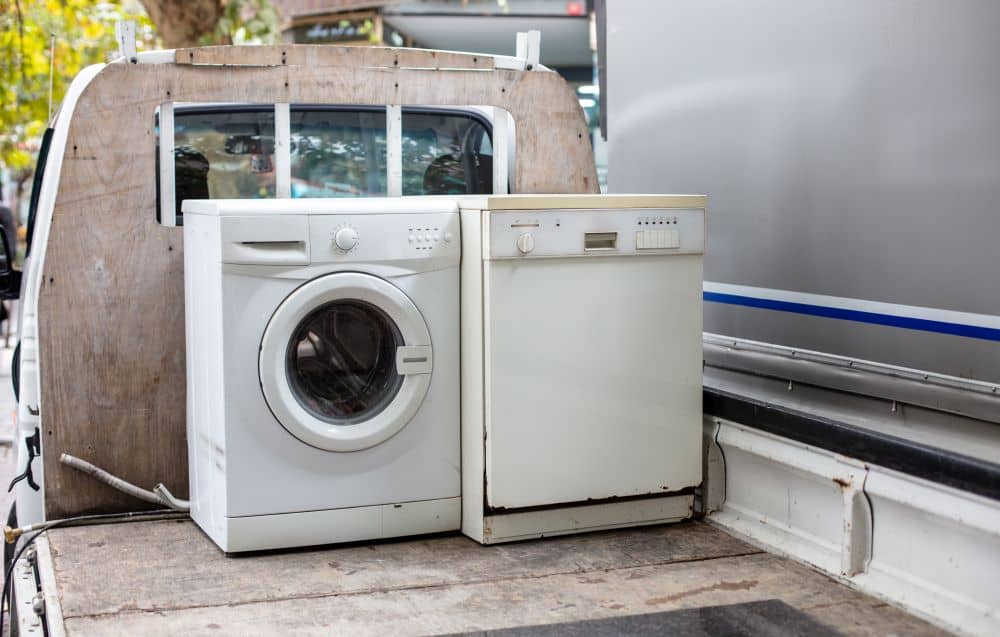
{"x": 34, "y": 447}
{"x": 528, "y": 48}
{"x": 125, "y": 36}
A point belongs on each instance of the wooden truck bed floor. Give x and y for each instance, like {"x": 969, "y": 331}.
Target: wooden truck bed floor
{"x": 166, "y": 577}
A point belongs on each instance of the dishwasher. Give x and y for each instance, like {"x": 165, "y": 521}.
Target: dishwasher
{"x": 581, "y": 362}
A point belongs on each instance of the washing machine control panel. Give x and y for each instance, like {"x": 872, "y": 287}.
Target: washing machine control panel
{"x": 429, "y": 236}
{"x": 346, "y": 239}
{"x": 383, "y": 237}
{"x": 556, "y": 233}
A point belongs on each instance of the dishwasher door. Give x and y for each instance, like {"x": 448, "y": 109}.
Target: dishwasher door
{"x": 592, "y": 377}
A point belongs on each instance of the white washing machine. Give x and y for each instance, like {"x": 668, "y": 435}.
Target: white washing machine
{"x": 323, "y": 369}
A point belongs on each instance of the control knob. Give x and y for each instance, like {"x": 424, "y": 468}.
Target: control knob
{"x": 346, "y": 239}
{"x": 525, "y": 243}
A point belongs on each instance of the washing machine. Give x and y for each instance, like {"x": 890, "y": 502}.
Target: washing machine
{"x": 322, "y": 369}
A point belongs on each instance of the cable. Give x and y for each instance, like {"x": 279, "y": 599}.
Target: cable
{"x": 159, "y": 495}
{"x": 6, "y": 598}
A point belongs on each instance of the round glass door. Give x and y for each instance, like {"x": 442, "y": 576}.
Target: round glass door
{"x": 337, "y": 361}
{"x": 342, "y": 362}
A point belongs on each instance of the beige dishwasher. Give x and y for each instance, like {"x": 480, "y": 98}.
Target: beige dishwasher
{"x": 581, "y": 362}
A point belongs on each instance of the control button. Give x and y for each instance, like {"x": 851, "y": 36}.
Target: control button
{"x": 411, "y": 238}
{"x": 346, "y": 239}
{"x": 437, "y": 237}
{"x": 448, "y": 237}
{"x": 657, "y": 239}
{"x": 525, "y": 243}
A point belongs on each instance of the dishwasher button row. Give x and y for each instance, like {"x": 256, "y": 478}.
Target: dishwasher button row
{"x": 657, "y": 239}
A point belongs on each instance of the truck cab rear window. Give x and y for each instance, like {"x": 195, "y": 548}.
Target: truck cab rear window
{"x": 228, "y": 152}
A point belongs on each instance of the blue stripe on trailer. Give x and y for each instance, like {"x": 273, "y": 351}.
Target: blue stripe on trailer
{"x": 891, "y": 320}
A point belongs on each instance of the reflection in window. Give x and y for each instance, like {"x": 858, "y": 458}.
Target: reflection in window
{"x": 233, "y": 152}
{"x": 445, "y": 154}
{"x": 338, "y": 153}
{"x": 227, "y": 152}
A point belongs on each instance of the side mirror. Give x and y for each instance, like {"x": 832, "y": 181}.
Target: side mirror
{"x": 10, "y": 279}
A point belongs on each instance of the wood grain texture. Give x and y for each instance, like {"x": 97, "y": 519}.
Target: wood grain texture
{"x": 354, "y": 57}
{"x": 111, "y": 305}
{"x": 105, "y": 569}
{"x": 167, "y": 578}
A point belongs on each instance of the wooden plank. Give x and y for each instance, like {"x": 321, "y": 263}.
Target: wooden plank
{"x": 321, "y": 56}
{"x": 111, "y": 306}
{"x": 148, "y": 556}
{"x": 164, "y": 581}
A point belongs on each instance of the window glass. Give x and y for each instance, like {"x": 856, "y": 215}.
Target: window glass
{"x": 338, "y": 152}
{"x": 445, "y": 154}
{"x": 224, "y": 155}
{"x": 341, "y": 362}
{"x": 225, "y": 152}
{"x": 36, "y": 186}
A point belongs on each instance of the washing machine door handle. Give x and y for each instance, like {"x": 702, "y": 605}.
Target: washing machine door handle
{"x": 414, "y": 359}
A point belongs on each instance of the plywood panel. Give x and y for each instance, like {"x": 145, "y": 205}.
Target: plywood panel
{"x": 146, "y": 555}
{"x": 310, "y": 55}
{"x": 168, "y": 578}
{"x": 111, "y": 306}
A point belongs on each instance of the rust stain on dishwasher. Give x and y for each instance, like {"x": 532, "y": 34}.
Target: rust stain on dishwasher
{"x": 742, "y": 585}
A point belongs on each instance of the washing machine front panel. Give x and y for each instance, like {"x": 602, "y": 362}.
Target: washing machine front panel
{"x": 345, "y": 361}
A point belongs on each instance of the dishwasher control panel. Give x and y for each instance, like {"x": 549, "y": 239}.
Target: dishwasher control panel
{"x": 566, "y": 233}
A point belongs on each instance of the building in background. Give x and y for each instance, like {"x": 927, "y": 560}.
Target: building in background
{"x": 480, "y": 26}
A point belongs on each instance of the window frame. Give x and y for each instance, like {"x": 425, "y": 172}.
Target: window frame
{"x": 36, "y": 187}
{"x": 168, "y": 112}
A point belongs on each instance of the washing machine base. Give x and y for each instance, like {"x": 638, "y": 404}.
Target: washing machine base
{"x": 356, "y": 524}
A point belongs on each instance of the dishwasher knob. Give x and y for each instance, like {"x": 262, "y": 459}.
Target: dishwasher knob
{"x": 525, "y": 243}
{"x": 346, "y": 239}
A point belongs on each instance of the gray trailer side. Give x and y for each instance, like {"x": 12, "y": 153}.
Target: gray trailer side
{"x": 851, "y": 154}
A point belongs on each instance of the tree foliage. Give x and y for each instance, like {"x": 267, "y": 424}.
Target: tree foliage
{"x": 182, "y": 23}
{"x": 247, "y": 22}
{"x": 79, "y": 33}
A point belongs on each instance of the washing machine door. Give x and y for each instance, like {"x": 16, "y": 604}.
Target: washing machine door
{"x": 345, "y": 361}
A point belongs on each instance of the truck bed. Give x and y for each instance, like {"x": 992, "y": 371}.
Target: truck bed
{"x": 166, "y": 577}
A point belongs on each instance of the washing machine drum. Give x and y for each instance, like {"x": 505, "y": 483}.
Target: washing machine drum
{"x": 345, "y": 361}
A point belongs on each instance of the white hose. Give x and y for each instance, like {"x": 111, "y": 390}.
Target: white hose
{"x": 168, "y": 498}
{"x": 160, "y": 496}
